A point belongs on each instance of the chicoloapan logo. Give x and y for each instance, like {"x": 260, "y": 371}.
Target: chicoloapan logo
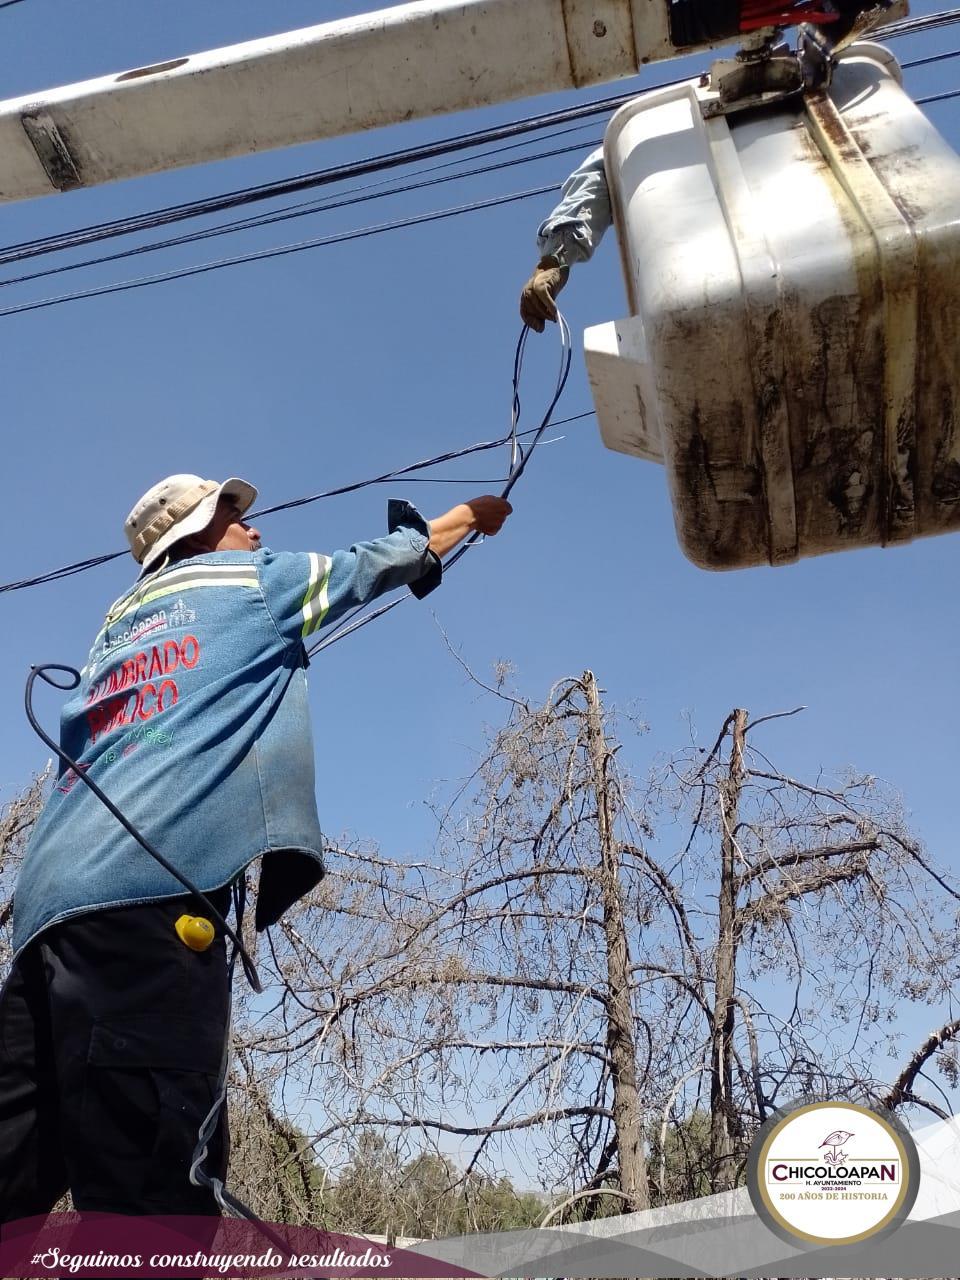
{"x": 833, "y": 1173}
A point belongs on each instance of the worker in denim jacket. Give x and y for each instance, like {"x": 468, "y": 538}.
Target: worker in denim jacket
{"x": 569, "y": 235}
{"x": 192, "y": 716}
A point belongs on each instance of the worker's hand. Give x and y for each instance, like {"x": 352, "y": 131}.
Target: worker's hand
{"x": 480, "y": 515}
{"x": 489, "y": 513}
{"x": 537, "y": 301}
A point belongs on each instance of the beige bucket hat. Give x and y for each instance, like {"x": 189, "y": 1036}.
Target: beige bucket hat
{"x": 177, "y": 507}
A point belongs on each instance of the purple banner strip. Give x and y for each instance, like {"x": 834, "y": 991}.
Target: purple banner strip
{"x": 110, "y": 1245}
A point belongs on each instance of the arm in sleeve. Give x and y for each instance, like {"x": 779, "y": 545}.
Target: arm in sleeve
{"x": 306, "y": 591}
{"x": 578, "y": 223}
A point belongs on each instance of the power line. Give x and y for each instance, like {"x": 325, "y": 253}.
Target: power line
{"x": 914, "y": 26}
{"x": 360, "y": 617}
{"x": 357, "y": 196}
{"x": 938, "y": 97}
{"x": 261, "y": 255}
{"x": 304, "y": 182}
{"x": 374, "y": 164}
{"x": 401, "y": 475}
{"x": 934, "y": 57}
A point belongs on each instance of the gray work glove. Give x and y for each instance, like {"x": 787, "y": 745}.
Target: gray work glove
{"x": 537, "y": 303}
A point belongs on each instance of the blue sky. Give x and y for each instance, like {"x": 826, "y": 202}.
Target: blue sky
{"x": 323, "y": 367}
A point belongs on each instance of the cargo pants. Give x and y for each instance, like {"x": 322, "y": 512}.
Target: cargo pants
{"x": 112, "y": 1037}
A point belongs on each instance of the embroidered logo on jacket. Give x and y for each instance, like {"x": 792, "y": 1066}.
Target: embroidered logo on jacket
{"x": 148, "y": 695}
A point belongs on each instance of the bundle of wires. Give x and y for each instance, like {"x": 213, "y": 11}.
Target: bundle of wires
{"x": 519, "y": 458}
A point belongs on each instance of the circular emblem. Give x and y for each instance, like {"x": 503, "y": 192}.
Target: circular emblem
{"x": 833, "y": 1173}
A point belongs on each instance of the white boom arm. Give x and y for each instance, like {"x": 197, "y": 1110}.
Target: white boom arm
{"x": 408, "y": 62}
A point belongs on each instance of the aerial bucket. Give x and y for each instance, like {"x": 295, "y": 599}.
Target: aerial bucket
{"x": 792, "y": 355}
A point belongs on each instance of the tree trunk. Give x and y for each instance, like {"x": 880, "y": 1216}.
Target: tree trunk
{"x": 621, "y": 1043}
{"x": 724, "y": 1124}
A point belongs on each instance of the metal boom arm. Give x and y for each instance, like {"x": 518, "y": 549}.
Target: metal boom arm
{"x": 364, "y": 72}
{"x": 403, "y": 63}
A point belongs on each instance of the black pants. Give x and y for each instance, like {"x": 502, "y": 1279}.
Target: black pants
{"x": 111, "y": 1041}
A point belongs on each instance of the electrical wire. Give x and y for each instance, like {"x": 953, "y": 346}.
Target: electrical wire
{"x": 308, "y": 181}
{"x": 519, "y": 459}
{"x": 937, "y": 97}
{"x": 360, "y": 196}
{"x": 917, "y": 25}
{"x": 279, "y": 251}
{"x": 400, "y": 476}
{"x": 66, "y": 571}
{"x": 892, "y": 31}
{"x": 934, "y": 57}
{"x": 308, "y": 206}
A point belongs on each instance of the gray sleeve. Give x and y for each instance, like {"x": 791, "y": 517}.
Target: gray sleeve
{"x": 578, "y": 223}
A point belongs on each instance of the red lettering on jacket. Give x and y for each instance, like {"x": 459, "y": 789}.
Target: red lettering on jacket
{"x": 120, "y": 716}
{"x": 141, "y": 710}
{"x": 96, "y": 719}
{"x": 194, "y": 649}
{"x": 174, "y": 695}
{"x": 171, "y": 656}
{"x": 106, "y": 712}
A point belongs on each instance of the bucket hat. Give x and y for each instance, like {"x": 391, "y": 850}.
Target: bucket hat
{"x": 176, "y": 507}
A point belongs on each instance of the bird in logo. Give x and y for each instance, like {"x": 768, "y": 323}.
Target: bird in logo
{"x": 835, "y": 1141}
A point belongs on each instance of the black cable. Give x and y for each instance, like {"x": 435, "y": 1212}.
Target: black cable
{"x": 66, "y": 571}
{"x": 305, "y": 210}
{"x": 892, "y": 31}
{"x": 914, "y": 26}
{"x": 352, "y": 622}
{"x": 261, "y": 255}
{"x": 74, "y": 679}
{"x": 937, "y": 97}
{"x": 304, "y": 182}
{"x": 935, "y": 57}
{"x": 399, "y": 476}
{"x": 451, "y": 456}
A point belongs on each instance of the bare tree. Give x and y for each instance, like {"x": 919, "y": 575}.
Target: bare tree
{"x": 829, "y": 918}
{"x": 586, "y": 967}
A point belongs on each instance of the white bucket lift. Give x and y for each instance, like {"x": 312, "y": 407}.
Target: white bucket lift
{"x": 793, "y": 351}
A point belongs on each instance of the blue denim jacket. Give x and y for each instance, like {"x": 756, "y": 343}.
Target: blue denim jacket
{"x": 192, "y": 716}
{"x": 578, "y": 223}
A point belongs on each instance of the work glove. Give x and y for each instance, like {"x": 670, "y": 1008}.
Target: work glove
{"x": 537, "y": 303}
